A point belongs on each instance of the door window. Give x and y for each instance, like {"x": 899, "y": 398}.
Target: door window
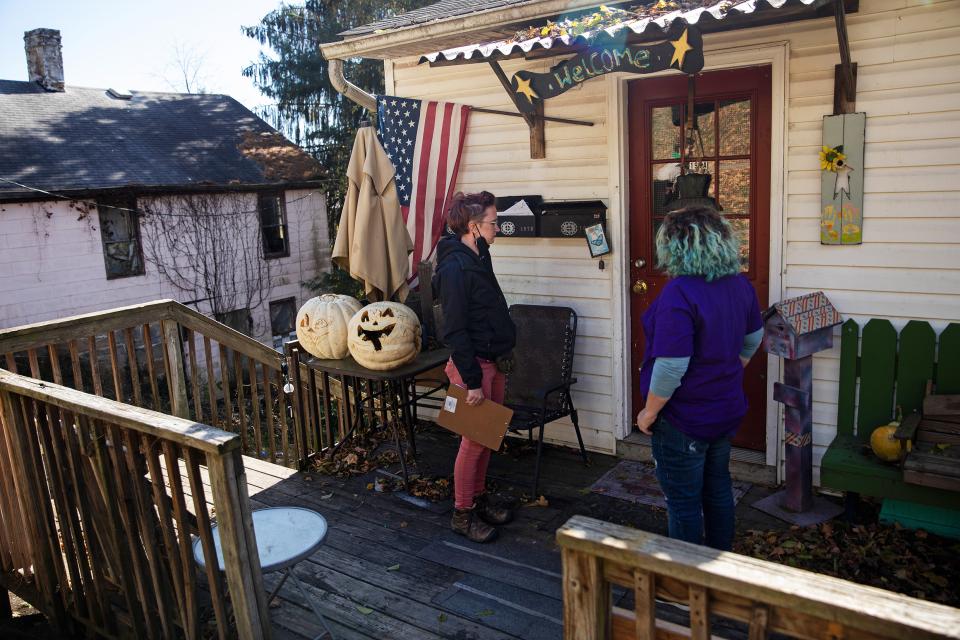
{"x": 721, "y": 148}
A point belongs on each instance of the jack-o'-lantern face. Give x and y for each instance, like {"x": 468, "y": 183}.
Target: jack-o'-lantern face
{"x": 384, "y": 335}
{"x": 322, "y": 325}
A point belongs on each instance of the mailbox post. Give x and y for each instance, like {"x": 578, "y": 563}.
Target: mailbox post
{"x": 794, "y": 330}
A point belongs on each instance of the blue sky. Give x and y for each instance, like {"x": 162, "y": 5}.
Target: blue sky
{"x": 131, "y": 44}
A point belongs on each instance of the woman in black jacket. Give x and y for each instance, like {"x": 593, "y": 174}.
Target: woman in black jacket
{"x": 477, "y": 327}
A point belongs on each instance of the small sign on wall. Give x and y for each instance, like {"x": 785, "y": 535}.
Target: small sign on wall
{"x": 841, "y": 179}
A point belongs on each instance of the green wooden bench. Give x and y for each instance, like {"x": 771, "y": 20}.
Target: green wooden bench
{"x": 890, "y": 373}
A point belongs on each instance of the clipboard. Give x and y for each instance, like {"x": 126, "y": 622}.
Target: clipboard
{"x": 485, "y": 423}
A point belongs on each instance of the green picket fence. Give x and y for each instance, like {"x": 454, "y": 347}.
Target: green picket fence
{"x": 892, "y": 372}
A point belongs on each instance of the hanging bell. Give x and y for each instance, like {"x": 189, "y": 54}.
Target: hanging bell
{"x": 690, "y": 190}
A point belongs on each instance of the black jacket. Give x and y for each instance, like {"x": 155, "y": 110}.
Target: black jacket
{"x": 476, "y": 321}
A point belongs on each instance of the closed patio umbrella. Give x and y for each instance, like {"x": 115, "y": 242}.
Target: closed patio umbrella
{"x": 373, "y": 243}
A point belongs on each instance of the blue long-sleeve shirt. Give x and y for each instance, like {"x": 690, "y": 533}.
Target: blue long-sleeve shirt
{"x": 667, "y": 372}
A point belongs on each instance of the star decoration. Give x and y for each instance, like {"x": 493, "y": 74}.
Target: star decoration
{"x": 680, "y": 48}
{"x": 842, "y": 184}
{"x": 523, "y": 86}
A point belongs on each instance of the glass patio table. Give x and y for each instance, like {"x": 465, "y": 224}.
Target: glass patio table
{"x": 285, "y": 536}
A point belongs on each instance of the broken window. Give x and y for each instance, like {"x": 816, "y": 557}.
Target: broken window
{"x": 238, "y": 320}
{"x": 120, "y": 234}
{"x": 283, "y": 317}
{"x": 273, "y": 225}
{"x": 283, "y": 314}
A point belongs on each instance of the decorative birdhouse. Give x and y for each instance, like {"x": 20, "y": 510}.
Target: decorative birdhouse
{"x": 795, "y": 329}
{"x": 799, "y": 327}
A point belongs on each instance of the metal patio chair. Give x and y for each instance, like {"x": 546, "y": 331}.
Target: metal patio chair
{"x": 538, "y": 387}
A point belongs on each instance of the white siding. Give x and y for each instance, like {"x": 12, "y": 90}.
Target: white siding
{"x": 908, "y": 55}
{"x": 52, "y": 266}
{"x": 496, "y": 157}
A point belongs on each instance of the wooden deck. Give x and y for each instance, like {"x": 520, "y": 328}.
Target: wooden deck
{"x": 390, "y": 569}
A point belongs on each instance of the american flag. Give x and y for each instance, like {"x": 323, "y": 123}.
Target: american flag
{"x": 424, "y": 140}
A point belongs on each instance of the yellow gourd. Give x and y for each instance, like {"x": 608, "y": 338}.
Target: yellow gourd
{"x": 885, "y": 446}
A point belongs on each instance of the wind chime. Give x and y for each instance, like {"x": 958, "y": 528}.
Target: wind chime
{"x": 691, "y": 187}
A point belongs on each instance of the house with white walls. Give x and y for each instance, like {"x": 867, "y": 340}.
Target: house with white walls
{"x": 110, "y": 198}
{"x": 772, "y": 71}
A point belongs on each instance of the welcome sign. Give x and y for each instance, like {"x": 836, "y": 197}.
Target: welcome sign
{"x": 684, "y": 52}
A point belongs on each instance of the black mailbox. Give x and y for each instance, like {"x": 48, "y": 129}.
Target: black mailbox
{"x": 568, "y": 219}
{"x": 518, "y": 225}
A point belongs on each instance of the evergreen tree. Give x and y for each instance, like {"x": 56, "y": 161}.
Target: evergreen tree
{"x": 306, "y": 108}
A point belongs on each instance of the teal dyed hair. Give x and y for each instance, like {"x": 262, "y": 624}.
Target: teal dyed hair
{"x": 697, "y": 241}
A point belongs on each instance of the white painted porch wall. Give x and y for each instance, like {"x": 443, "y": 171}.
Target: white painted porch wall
{"x": 51, "y": 266}
{"x": 551, "y": 271}
{"x": 908, "y": 53}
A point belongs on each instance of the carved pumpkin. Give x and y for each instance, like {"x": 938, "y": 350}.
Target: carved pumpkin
{"x": 322, "y": 325}
{"x": 384, "y": 335}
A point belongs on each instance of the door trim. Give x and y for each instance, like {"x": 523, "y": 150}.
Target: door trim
{"x": 775, "y": 54}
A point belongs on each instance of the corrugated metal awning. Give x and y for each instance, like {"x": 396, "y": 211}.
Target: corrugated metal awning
{"x": 719, "y": 17}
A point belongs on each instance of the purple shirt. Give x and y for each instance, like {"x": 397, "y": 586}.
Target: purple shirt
{"x": 705, "y": 321}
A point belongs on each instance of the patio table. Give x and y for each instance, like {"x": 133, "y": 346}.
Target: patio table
{"x": 285, "y": 536}
{"x": 394, "y": 389}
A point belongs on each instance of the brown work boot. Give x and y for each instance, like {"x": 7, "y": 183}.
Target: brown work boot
{"x": 466, "y": 523}
{"x": 491, "y": 513}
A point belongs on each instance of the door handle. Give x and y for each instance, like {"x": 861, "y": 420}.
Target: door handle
{"x": 639, "y": 287}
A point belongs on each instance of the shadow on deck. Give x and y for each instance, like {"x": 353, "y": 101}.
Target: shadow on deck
{"x": 391, "y": 569}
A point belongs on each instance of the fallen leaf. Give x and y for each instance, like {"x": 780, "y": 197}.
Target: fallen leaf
{"x": 442, "y": 617}
{"x": 539, "y": 502}
{"x": 364, "y": 610}
{"x": 369, "y": 486}
{"x": 327, "y": 496}
{"x": 403, "y": 525}
{"x": 485, "y": 613}
{"x": 395, "y": 567}
{"x": 308, "y": 478}
{"x": 940, "y": 581}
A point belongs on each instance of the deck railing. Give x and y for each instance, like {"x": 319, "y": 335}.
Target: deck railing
{"x": 767, "y": 597}
{"x": 99, "y": 501}
{"x": 169, "y": 358}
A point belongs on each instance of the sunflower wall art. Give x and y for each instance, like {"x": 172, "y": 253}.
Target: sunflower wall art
{"x": 841, "y": 179}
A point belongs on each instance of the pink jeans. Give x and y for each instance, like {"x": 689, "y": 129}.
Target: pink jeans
{"x": 470, "y": 470}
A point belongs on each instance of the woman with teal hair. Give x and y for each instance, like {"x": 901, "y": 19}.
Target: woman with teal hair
{"x": 700, "y": 333}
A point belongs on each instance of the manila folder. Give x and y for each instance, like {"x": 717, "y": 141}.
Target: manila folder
{"x": 485, "y": 423}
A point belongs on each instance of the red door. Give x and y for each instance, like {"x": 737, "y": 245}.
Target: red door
{"x": 732, "y": 143}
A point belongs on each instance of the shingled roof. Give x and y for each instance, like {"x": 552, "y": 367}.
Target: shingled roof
{"x": 436, "y": 11}
{"x": 85, "y": 140}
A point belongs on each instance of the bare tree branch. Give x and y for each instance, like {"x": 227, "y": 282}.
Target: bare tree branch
{"x": 208, "y": 246}
{"x": 184, "y": 72}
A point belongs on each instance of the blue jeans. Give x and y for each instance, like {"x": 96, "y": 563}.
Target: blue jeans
{"x": 695, "y": 478}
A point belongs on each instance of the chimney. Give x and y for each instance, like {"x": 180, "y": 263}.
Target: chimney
{"x": 44, "y": 59}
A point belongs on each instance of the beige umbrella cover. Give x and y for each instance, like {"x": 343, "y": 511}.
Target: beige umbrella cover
{"x": 373, "y": 243}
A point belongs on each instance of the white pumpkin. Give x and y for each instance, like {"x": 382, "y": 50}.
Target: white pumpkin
{"x": 384, "y": 335}
{"x": 322, "y": 325}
